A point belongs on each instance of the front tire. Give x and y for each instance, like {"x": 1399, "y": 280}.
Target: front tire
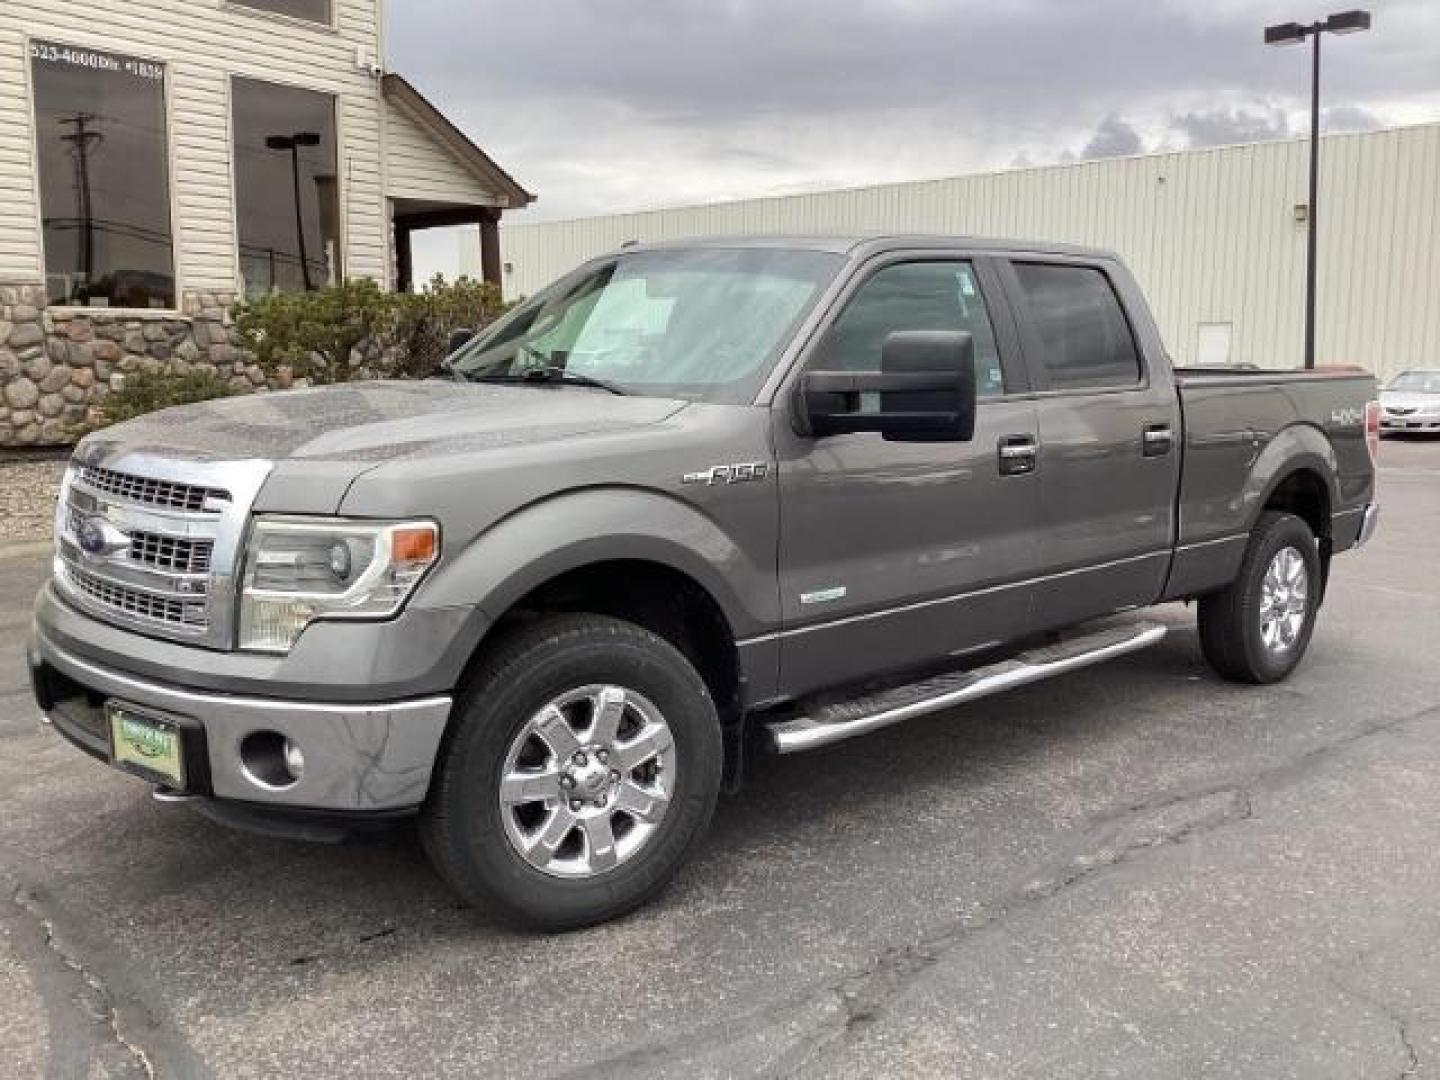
{"x": 583, "y": 765}
{"x": 1258, "y": 627}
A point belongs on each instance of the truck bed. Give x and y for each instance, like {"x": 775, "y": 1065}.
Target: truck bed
{"x": 1243, "y": 428}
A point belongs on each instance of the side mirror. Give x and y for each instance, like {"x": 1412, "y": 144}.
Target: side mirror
{"x": 458, "y": 340}
{"x": 924, "y": 391}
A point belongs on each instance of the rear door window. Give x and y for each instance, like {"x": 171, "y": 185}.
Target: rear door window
{"x": 1084, "y": 338}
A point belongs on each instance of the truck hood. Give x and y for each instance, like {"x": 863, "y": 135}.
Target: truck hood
{"x": 369, "y": 423}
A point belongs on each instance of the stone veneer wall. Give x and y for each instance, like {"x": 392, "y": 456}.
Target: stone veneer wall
{"x": 57, "y": 363}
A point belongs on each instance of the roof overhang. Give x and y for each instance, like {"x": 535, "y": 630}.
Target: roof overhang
{"x": 403, "y": 95}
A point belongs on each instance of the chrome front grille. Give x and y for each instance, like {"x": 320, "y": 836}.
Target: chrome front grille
{"x": 148, "y": 491}
{"x": 152, "y": 543}
{"x": 156, "y": 550}
{"x": 136, "y": 604}
{"x": 171, "y": 552}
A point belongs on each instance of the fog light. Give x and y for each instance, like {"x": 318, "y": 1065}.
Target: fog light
{"x": 270, "y": 760}
{"x": 294, "y": 759}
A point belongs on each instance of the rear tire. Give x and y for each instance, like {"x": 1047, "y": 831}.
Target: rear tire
{"x": 1257, "y": 628}
{"x": 582, "y": 766}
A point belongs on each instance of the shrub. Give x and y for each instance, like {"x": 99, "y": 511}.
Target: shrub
{"x": 314, "y": 334}
{"x": 357, "y": 330}
{"x": 144, "y": 393}
{"x": 429, "y": 317}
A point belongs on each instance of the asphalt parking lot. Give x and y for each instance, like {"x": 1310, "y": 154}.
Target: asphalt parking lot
{"x": 1136, "y": 871}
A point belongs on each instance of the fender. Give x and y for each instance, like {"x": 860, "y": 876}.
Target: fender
{"x": 577, "y": 528}
{"x": 1213, "y": 561}
{"x": 1293, "y": 449}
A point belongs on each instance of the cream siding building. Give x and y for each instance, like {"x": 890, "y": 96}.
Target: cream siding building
{"x": 382, "y": 163}
{"x": 1216, "y": 237}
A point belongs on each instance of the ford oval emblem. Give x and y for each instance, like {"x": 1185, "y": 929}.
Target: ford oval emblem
{"x": 91, "y": 536}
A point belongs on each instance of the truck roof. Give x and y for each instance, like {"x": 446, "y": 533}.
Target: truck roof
{"x": 864, "y": 244}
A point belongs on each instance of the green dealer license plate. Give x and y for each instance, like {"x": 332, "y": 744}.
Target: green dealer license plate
{"x": 145, "y": 743}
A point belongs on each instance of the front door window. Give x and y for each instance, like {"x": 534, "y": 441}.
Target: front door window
{"x": 915, "y": 296}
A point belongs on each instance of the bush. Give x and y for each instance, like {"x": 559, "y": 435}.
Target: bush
{"x": 357, "y": 330}
{"x": 314, "y": 334}
{"x": 429, "y": 317}
{"x": 144, "y": 393}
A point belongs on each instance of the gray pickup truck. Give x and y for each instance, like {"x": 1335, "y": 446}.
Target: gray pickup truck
{"x": 691, "y": 501}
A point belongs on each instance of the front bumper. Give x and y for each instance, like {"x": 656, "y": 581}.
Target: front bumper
{"x": 359, "y": 757}
{"x": 1410, "y": 423}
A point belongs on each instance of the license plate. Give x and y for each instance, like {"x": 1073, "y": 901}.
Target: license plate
{"x": 145, "y": 743}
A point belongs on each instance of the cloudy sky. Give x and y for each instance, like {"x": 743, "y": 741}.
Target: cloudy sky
{"x": 606, "y": 105}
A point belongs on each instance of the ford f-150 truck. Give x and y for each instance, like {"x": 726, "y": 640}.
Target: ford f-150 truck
{"x": 691, "y": 501}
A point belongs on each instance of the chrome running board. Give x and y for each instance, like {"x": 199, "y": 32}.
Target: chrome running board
{"x": 833, "y": 722}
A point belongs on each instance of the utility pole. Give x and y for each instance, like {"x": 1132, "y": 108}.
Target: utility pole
{"x": 1312, "y": 235}
{"x": 81, "y": 140}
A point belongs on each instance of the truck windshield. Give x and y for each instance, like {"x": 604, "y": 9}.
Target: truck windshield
{"x": 699, "y": 323}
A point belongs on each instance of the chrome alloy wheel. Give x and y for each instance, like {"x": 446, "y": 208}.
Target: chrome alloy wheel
{"x": 587, "y": 781}
{"x": 1284, "y": 597}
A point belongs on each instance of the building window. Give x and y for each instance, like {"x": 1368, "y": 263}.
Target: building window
{"x": 287, "y": 200}
{"x": 104, "y": 178}
{"x": 309, "y": 10}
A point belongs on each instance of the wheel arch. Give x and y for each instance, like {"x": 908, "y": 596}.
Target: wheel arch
{"x": 556, "y": 536}
{"x": 1297, "y": 472}
{"x": 662, "y": 599}
{"x": 1303, "y": 492}
{"x": 668, "y": 568}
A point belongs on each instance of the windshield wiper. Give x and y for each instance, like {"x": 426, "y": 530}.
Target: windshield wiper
{"x": 448, "y": 368}
{"x": 552, "y": 375}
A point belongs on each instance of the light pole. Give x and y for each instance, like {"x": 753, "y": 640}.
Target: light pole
{"x": 293, "y": 143}
{"x": 1347, "y": 22}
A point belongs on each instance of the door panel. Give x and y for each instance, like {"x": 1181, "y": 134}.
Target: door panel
{"x": 1107, "y": 513}
{"x": 1109, "y": 444}
{"x": 891, "y": 553}
{"x": 896, "y": 554}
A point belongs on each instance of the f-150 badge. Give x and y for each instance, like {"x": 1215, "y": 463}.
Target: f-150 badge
{"x": 728, "y": 474}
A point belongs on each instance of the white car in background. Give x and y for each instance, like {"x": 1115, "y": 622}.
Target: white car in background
{"x": 1411, "y": 402}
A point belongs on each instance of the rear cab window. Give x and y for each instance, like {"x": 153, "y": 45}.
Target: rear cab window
{"x": 1078, "y": 328}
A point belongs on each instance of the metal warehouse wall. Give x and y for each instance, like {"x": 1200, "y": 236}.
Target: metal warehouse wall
{"x": 1211, "y": 234}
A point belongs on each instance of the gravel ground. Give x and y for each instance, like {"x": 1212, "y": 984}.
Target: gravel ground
{"x": 27, "y": 497}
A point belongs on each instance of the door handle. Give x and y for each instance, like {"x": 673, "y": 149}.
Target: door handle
{"x": 1018, "y": 454}
{"x": 1157, "y": 440}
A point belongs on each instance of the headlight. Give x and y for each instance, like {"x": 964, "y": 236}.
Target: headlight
{"x": 298, "y": 570}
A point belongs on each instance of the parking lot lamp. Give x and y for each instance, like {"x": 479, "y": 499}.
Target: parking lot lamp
{"x": 292, "y": 144}
{"x": 1346, "y": 22}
